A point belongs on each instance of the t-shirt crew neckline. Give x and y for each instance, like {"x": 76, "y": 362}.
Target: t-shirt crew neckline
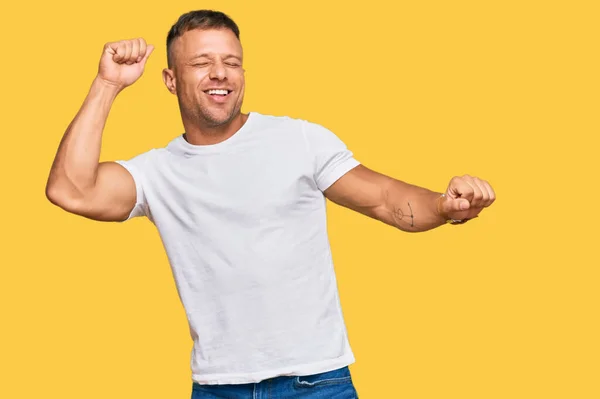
{"x": 181, "y": 146}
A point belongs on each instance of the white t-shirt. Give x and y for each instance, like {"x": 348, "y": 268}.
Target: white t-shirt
{"x": 243, "y": 223}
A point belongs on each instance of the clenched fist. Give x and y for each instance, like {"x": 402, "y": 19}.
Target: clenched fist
{"x": 122, "y": 62}
{"x": 465, "y": 197}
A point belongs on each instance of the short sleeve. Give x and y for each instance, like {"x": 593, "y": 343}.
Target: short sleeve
{"x": 137, "y": 167}
{"x": 330, "y": 156}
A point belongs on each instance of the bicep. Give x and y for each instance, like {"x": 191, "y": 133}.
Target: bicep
{"x": 113, "y": 197}
{"x": 362, "y": 190}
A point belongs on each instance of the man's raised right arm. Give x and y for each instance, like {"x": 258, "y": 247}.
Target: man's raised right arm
{"x": 78, "y": 182}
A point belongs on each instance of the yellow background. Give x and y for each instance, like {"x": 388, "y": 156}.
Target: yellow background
{"x": 505, "y": 306}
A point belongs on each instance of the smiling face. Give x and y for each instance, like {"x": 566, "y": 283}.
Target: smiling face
{"x": 207, "y": 76}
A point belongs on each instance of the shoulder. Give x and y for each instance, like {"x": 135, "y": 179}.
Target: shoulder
{"x": 290, "y": 125}
{"x": 280, "y": 121}
{"x": 144, "y": 159}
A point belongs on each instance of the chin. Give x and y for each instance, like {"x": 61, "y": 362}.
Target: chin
{"x": 218, "y": 118}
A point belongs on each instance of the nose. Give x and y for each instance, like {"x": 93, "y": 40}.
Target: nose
{"x": 217, "y": 71}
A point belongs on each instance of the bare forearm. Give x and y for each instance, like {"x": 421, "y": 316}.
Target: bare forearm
{"x": 399, "y": 204}
{"x": 76, "y": 163}
{"x": 408, "y": 207}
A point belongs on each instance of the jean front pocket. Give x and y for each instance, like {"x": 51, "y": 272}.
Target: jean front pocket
{"x": 333, "y": 377}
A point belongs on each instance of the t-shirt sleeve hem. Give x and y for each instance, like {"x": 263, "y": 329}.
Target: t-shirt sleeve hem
{"x": 138, "y": 208}
{"x": 335, "y": 174}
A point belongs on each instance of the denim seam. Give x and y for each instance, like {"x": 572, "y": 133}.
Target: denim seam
{"x": 327, "y": 381}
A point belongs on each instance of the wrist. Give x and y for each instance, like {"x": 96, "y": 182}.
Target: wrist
{"x": 106, "y": 87}
{"x": 439, "y": 208}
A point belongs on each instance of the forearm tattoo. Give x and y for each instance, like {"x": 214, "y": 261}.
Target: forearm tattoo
{"x": 400, "y": 216}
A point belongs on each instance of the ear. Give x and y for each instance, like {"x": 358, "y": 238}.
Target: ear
{"x": 170, "y": 81}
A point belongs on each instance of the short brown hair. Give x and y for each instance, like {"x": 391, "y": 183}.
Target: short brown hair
{"x": 200, "y": 19}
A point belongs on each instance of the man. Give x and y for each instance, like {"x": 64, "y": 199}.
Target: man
{"x": 239, "y": 202}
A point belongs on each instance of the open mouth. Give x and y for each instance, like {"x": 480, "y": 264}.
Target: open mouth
{"x": 219, "y": 93}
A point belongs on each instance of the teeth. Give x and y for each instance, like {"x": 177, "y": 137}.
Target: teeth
{"x": 221, "y": 92}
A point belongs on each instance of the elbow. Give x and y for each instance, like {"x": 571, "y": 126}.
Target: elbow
{"x": 58, "y": 197}
{"x": 53, "y": 194}
{"x": 55, "y": 189}
{"x": 62, "y": 198}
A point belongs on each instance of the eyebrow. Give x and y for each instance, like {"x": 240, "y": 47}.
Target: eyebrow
{"x": 226, "y": 56}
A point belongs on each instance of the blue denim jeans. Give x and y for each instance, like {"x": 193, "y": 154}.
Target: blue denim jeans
{"x": 330, "y": 384}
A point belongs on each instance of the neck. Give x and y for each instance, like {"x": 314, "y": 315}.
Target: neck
{"x": 204, "y": 134}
